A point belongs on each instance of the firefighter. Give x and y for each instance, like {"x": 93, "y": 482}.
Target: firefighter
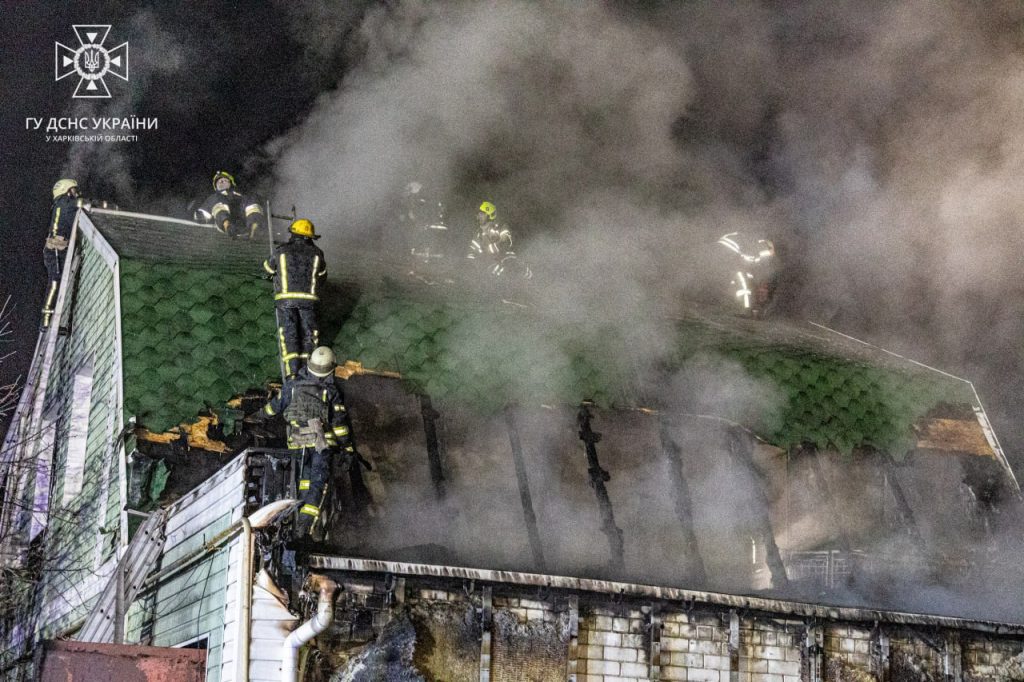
{"x": 229, "y": 211}
{"x": 423, "y": 222}
{"x": 492, "y": 244}
{"x": 754, "y": 271}
{"x": 67, "y": 200}
{"x": 298, "y": 267}
{"x": 313, "y": 406}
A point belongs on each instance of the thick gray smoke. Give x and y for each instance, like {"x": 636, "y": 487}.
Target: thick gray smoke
{"x": 879, "y": 143}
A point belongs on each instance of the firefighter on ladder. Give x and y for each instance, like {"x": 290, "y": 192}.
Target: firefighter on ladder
{"x": 319, "y": 430}
{"x": 298, "y": 267}
{"x": 66, "y": 202}
{"x": 228, "y": 209}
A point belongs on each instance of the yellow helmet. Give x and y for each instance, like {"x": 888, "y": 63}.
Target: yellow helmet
{"x": 489, "y": 209}
{"x": 303, "y": 228}
{"x": 63, "y": 186}
{"x": 223, "y": 174}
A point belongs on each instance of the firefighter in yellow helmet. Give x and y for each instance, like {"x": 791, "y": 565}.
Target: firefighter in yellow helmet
{"x": 492, "y": 244}
{"x": 298, "y": 267}
{"x": 230, "y": 211}
{"x": 67, "y": 199}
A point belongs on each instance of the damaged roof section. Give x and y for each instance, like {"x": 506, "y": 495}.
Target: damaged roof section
{"x": 199, "y": 328}
{"x": 825, "y": 389}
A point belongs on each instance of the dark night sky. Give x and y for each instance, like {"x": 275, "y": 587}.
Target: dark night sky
{"x": 823, "y": 112}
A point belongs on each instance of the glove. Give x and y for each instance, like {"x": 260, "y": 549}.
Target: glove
{"x": 57, "y": 243}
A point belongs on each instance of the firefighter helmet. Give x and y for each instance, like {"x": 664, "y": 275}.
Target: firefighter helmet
{"x": 489, "y": 210}
{"x": 303, "y": 228}
{"x": 223, "y": 174}
{"x": 63, "y": 186}
{"x": 321, "y": 362}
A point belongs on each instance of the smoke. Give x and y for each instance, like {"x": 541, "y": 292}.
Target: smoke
{"x": 108, "y": 167}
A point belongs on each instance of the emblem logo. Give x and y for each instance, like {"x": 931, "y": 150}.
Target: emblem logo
{"x": 91, "y": 61}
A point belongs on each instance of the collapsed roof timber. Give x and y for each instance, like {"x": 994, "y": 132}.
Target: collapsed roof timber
{"x": 530, "y": 472}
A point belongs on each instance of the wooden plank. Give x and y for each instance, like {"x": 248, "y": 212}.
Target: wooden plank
{"x": 952, "y": 435}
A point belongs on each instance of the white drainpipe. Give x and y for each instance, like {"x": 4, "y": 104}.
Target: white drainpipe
{"x": 308, "y": 630}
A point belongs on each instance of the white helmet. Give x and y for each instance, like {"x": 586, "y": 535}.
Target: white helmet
{"x": 321, "y": 362}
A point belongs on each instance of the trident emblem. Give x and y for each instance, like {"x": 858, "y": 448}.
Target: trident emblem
{"x": 91, "y": 61}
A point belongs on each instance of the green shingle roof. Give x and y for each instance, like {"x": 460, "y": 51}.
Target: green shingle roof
{"x": 198, "y": 327}
{"x": 485, "y": 358}
{"x": 192, "y": 337}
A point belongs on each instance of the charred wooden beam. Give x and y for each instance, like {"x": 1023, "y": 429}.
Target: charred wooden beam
{"x": 430, "y": 417}
{"x": 654, "y": 626}
{"x": 734, "y": 646}
{"x": 524, "y": 488}
{"x": 740, "y": 449}
{"x": 598, "y": 478}
{"x": 683, "y": 503}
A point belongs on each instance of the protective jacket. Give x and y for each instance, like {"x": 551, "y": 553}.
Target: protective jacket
{"x": 318, "y": 428}
{"x": 493, "y": 239}
{"x": 308, "y": 398}
{"x": 236, "y": 208}
{"x": 298, "y": 267}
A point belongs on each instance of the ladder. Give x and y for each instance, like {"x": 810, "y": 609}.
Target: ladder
{"x": 105, "y": 623}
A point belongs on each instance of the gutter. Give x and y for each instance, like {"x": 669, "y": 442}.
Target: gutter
{"x": 245, "y": 617}
{"x": 308, "y": 630}
{"x": 621, "y": 589}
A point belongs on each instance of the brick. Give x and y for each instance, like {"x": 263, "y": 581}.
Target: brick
{"x": 716, "y": 662}
{"x": 704, "y": 675}
{"x": 758, "y": 677}
{"x": 614, "y": 653}
{"x": 677, "y": 617}
{"x": 861, "y": 646}
{"x": 705, "y": 632}
{"x": 602, "y": 623}
{"x": 705, "y": 647}
{"x": 771, "y": 638}
{"x": 775, "y": 653}
{"x": 531, "y": 604}
{"x": 675, "y": 644}
{"x": 590, "y": 678}
{"x": 686, "y": 660}
{"x": 602, "y": 638}
{"x": 671, "y": 672}
{"x": 620, "y": 624}
{"x": 534, "y": 615}
{"x": 783, "y": 668}
{"x": 590, "y": 651}
{"x": 635, "y": 641}
{"x": 634, "y": 670}
{"x": 753, "y": 665}
{"x": 601, "y": 667}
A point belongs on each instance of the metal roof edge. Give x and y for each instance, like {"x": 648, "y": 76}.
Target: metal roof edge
{"x": 148, "y": 216}
{"x": 622, "y": 589}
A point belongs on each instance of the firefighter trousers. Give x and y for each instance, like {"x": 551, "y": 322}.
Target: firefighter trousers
{"x": 54, "y": 260}
{"x": 297, "y": 334}
{"x": 314, "y": 472}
